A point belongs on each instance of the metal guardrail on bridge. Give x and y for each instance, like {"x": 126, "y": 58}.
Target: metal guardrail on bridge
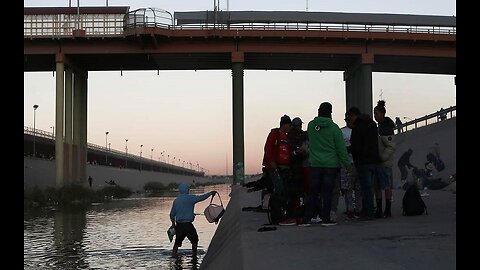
{"x": 112, "y": 25}
{"x": 433, "y": 117}
{"x": 50, "y": 136}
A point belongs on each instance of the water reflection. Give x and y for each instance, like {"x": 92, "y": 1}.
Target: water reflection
{"x": 69, "y": 227}
{"x": 122, "y": 234}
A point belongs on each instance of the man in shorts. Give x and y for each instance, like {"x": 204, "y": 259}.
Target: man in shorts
{"x": 181, "y": 216}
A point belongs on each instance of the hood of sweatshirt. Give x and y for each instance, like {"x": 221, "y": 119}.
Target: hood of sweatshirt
{"x": 322, "y": 122}
{"x": 183, "y": 188}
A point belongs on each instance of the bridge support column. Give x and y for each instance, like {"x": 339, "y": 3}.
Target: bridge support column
{"x": 59, "y": 150}
{"x": 79, "y": 147}
{"x": 358, "y": 85}
{"x": 68, "y": 126}
{"x": 238, "y": 122}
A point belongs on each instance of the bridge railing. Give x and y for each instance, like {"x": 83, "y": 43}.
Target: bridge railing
{"x": 320, "y": 27}
{"x": 428, "y": 119}
{"x": 49, "y": 135}
{"x": 62, "y": 25}
{"x": 104, "y": 25}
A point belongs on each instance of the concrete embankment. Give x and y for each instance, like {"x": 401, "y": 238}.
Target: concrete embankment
{"x": 397, "y": 243}
{"x": 418, "y": 242}
{"x": 41, "y": 172}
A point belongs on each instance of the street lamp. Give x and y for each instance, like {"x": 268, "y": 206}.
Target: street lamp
{"x": 34, "y": 110}
{"x": 53, "y": 131}
{"x": 141, "y": 145}
{"x": 151, "y": 158}
{"x": 126, "y": 152}
{"x": 106, "y": 148}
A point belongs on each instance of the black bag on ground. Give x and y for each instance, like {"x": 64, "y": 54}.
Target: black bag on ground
{"x": 277, "y": 208}
{"x": 412, "y": 202}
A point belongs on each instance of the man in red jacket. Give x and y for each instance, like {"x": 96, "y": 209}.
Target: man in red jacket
{"x": 276, "y": 160}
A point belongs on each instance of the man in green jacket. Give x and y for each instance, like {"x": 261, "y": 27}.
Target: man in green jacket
{"x": 327, "y": 154}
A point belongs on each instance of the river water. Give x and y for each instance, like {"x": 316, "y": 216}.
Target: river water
{"x": 121, "y": 234}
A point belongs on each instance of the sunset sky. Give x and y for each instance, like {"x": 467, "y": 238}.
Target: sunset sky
{"x": 188, "y": 114}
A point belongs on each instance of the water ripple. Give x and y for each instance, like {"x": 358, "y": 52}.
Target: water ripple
{"x": 122, "y": 234}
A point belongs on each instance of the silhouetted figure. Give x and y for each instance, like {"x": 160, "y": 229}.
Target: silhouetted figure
{"x": 443, "y": 115}
{"x": 399, "y": 124}
{"x": 403, "y": 162}
{"x": 90, "y": 180}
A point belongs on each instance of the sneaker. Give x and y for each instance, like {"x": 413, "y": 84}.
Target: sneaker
{"x": 424, "y": 194}
{"x": 329, "y": 223}
{"x": 315, "y": 220}
{"x": 333, "y": 216}
{"x": 288, "y": 222}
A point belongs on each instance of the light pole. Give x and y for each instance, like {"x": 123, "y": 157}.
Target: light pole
{"x": 126, "y": 152}
{"x": 151, "y": 158}
{"x": 106, "y": 148}
{"x": 78, "y": 15}
{"x": 141, "y": 145}
{"x": 53, "y": 131}
{"x": 34, "y": 131}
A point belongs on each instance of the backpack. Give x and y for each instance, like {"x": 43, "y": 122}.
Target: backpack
{"x": 412, "y": 202}
{"x": 282, "y": 150}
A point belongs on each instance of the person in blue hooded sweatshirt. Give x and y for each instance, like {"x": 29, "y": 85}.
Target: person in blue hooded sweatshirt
{"x": 182, "y": 217}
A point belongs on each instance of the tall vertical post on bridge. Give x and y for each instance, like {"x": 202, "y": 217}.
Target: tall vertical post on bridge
{"x": 68, "y": 125}
{"x": 238, "y": 119}
{"x": 59, "y": 101}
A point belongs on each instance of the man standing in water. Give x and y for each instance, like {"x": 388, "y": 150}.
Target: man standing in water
{"x": 181, "y": 216}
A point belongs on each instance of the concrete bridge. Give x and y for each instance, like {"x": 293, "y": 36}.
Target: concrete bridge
{"x": 73, "y": 41}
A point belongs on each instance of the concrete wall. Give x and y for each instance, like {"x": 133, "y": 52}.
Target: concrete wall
{"x": 226, "y": 248}
{"x": 42, "y": 173}
{"x": 236, "y": 242}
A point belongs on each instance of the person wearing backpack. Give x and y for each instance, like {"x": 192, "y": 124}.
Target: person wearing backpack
{"x": 276, "y": 160}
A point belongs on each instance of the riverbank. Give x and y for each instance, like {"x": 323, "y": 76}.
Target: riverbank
{"x": 41, "y": 173}
{"x": 417, "y": 242}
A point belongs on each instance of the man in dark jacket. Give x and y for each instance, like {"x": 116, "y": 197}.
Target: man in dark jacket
{"x": 403, "y": 163}
{"x": 364, "y": 150}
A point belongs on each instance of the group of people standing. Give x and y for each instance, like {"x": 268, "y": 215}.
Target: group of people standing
{"x": 310, "y": 168}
